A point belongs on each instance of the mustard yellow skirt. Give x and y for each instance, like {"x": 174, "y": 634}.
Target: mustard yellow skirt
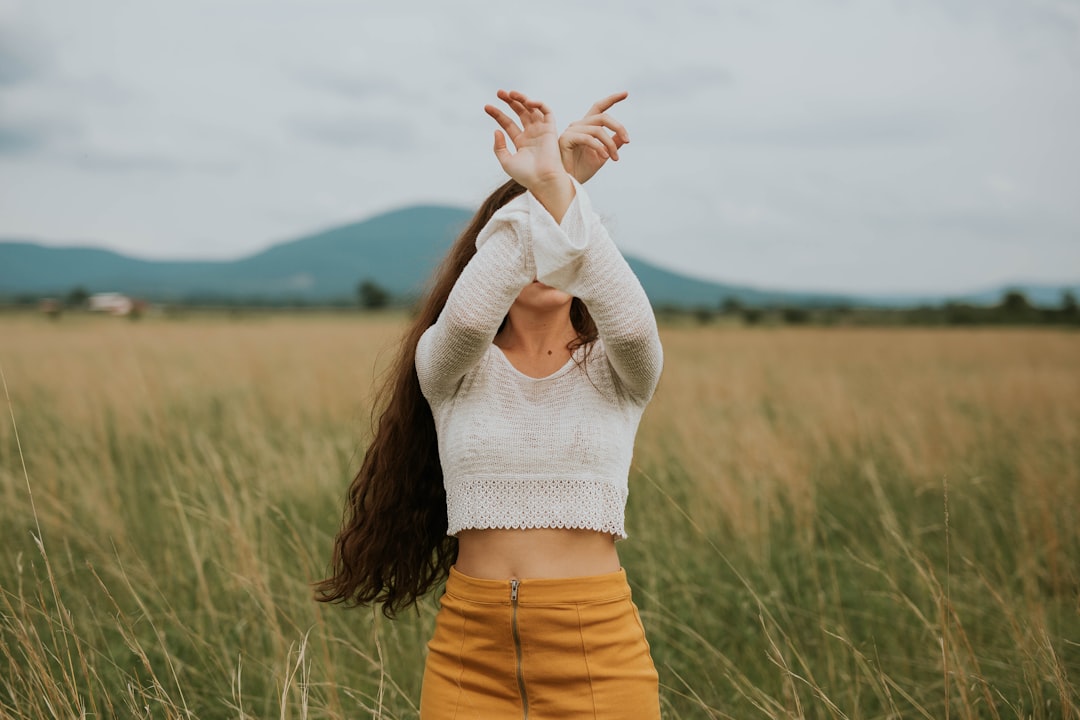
{"x": 539, "y": 649}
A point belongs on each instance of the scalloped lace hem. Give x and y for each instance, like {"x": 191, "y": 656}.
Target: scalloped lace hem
{"x": 488, "y": 502}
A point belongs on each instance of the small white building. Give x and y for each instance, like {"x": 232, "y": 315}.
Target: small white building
{"x": 111, "y": 303}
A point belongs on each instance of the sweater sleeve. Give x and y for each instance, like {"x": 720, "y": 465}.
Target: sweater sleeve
{"x": 485, "y": 290}
{"x": 523, "y": 241}
{"x": 583, "y": 261}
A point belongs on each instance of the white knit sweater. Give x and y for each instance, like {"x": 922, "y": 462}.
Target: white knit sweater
{"x": 522, "y": 452}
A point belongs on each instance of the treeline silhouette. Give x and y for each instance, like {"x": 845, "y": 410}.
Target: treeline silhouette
{"x": 1014, "y": 308}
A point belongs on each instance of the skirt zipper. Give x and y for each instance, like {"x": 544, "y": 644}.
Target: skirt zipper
{"x": 517, "y": 647}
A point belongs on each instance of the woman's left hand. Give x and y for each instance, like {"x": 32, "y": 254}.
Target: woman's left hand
{"x": 585, "y": 145}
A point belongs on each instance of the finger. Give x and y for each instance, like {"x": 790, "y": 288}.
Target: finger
{"x": 610, "y": 143}
{"x": 599, "y": 133}
{"x": 605, "y": 120}
{"x": 501, "y": 151}
{"x": 602, "y": 105}
{"x": 511, "y": 128}
{"x": 574, "y": 139}
{"x": 515, "y": 104}
{"x": 539, "y": 105}
{"x": 532, "y": 105}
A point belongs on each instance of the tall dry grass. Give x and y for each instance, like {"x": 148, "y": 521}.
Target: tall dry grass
{"x": 841, "y": 523}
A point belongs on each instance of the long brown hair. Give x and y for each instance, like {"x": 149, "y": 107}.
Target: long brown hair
{"x": 392, "y": 547}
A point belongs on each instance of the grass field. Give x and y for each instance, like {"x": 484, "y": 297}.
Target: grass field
{"x": 824, "y": 523}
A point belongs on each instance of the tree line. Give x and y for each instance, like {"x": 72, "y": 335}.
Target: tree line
{"x": 1014, "y": 308}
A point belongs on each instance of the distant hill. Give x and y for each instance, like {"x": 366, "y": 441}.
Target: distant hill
{"x": 398, "y": 250}
{"x": 666, "y": 287}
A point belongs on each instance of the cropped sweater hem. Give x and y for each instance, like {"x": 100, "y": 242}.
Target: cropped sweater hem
{"x": 489, "y": 501}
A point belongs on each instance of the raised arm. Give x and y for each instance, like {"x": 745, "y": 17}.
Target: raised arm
{"x": 503, "y": 263}
{"x": 593, "y": 269}
{"x": 520, "y": 237}
{"x": 477, "y": 303}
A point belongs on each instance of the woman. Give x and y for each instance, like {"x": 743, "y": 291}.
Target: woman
{"x": 500, "y": 463}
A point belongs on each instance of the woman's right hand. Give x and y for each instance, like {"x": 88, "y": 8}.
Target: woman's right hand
{"x": 536, "y": 162}
{"x": 586, "y": 144}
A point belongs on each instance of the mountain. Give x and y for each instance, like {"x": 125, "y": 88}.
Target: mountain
{"x": 666, "y": 287}
{"x": 398, "y": 250}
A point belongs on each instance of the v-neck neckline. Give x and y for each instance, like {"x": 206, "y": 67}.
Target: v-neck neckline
{"x": 561, "y": 371}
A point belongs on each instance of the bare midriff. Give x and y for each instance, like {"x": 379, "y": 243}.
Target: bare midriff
{"x": 499, "y": 554}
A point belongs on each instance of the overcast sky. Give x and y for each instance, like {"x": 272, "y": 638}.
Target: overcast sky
{"x": 918, "y": 145}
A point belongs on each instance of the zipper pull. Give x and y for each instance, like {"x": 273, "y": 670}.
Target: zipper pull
{"x": 513, "y": 590}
